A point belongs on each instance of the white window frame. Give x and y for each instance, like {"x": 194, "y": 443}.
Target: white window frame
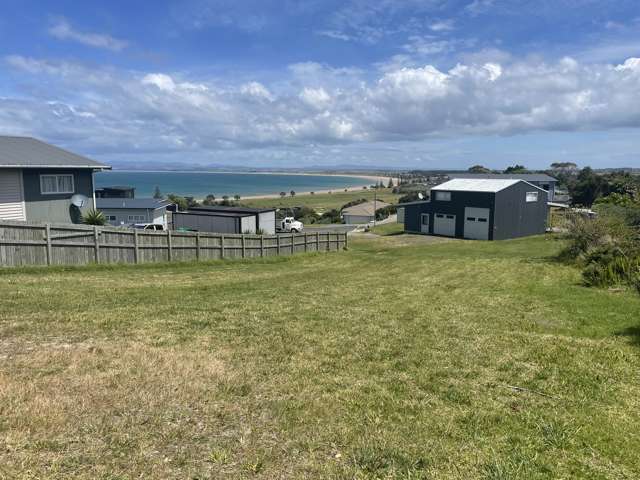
{"x": 137, "y": 218}
{"x": 531, "y": 197}
{"x": 57, "y": 176}
{"x": 443, "y": 196}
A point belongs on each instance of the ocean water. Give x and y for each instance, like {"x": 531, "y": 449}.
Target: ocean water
{"x": 201, "y": 184}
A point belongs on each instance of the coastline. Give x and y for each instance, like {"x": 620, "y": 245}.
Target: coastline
{"x": 348, "y": 188}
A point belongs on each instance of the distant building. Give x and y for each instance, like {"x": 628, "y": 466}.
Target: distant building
{"x": 127, "y": 211}
{"x": 220, "y": 219}
{"x": 115, "y": 192}
{"x": 542, "y": 180}
{"x": 38, "y": 180}
{"x": 362, "y": 213}
{"x": 481, "y": 209}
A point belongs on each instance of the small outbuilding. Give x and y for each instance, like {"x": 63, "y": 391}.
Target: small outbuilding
{"x": 481, "y": 209}
{"x": 221, "y": 219}
{"x": 128, "y": 211}
{"x": 362, "y": 213}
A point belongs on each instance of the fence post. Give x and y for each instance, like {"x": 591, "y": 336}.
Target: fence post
{"x": 305, "y": 242}
{"x": 96, "y": 245}
{"x": 244, "y": 253}
{"x": 317, "y": 241}
{"x": 48, "y": 234}
{"x": 262, "y": 245}
{"x": 221, "y": 246}
{"x": 346, "y": 240}
{"x": 278, "y": 242}
{"x": 293, "y": 238}
{"x": 136, "y": 252}
{"x": 328, "y": 241}
{"x": 197, "y": 245}
{"x": 169, "y": 246}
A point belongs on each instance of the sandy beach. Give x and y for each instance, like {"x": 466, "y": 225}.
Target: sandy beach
{"x": 374, "y": 179}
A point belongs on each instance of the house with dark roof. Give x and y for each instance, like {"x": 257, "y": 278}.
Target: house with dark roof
{"x": 479, "y": 209}
{"x": 129, "y": 211}
{"x": 38, "y": 180}
{"x": 542, "y": 180}
{"x": 362, "y": 213}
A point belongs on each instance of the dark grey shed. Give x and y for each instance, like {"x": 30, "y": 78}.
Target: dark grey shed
{"x": 482, "y": 209}
{"x": 221, "y": 219}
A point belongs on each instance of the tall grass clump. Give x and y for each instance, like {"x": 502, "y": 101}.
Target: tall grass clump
{"x": 607, "y": 247}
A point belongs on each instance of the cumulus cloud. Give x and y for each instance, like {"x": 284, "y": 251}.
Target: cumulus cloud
{"x": 62, "y": 30}
{"x": 116, "y": 110}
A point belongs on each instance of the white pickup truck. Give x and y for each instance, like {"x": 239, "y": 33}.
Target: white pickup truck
{"x": 290, "y": 225}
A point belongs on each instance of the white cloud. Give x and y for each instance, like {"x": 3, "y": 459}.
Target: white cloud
{"x": 317, "y": 98}
{"x": 123, "y": 111}
{"x": 62, "y": 30}
{"x": 477, "y": 7}
{"x": 442, "y": 26}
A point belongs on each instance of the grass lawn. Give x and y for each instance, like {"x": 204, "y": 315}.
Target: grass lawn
{"x": 396, "y": 359}
{"x": 388, "y": 229}
{"x": 323, "y": 201}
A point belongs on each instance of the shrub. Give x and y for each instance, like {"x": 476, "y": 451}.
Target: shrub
{"x": 94, "y": 217}
{"x": 607, "y": 266}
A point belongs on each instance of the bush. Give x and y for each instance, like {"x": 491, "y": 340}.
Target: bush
{"x": 94, "y": 217}
{"x": 608, "y": 266}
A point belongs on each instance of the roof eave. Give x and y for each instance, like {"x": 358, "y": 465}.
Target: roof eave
{"x": 40, "y": 167}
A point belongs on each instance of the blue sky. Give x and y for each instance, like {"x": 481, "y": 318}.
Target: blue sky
{"x": 414, "y": 83}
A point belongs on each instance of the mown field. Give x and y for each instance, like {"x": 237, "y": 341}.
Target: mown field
{"x": 322, "y": 202}
{"x": 397, "y": 359}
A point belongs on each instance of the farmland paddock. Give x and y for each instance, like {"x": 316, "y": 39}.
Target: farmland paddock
{"x": 24, "y": 244}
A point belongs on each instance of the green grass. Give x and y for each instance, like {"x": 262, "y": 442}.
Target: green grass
{"x": 388, "y": 229}
{"x": 323, "y": 201}
{"x": 393, "y": 360}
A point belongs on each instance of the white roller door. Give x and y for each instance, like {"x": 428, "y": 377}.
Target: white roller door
{"x": 267, "y": 221}
{"x": 476, "y": 223}
{"x": 11, "y": 195}
{"x": 444, "y": 224}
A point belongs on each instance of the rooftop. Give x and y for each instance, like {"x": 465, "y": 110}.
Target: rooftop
{"x": 221, "y": 208}
{"x": 478, "y": 185}
{"x": 27, "y": 152}
{"x": 530, "y": 177}
{"x": 143, "y": 203}
{"x": 364, "y": 209}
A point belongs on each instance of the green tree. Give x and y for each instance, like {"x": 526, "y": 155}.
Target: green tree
{"x": 209, "y": 200}
{"x": 479, "y": 169}
{"x": 157, "y": 194}
{"x": 181, "y": 202}
{"x": 390, "y": 184}
{"x": 236, "y": 197}
{"x": 292, "y": 193}
{"x": 516, "y": 169}
{"x": 587, "y": 187}
{"x": 283, "y": 194}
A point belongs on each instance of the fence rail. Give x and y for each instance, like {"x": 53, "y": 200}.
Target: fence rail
{"x": 23, "y": 244}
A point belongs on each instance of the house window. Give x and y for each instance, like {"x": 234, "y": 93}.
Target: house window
{"x": 443, "y": 196}
{"x": 532, "y": 196}
{"x": 136, "y": 218}
{"x": 53, "y": 184}
{"x": 110, "y": 218}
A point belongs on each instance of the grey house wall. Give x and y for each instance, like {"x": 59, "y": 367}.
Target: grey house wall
{"x": 517, "y": 218}
{"x": 122, "y": 215}
{"x": 55, "y": 208}
{"x": 206, "y": 223}
{"x": 357, "y": 219}
{"x": 550, "y": 187}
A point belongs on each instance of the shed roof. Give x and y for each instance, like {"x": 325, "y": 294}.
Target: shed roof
{"x": 131, "y": 203}
{"x": 479, "y": 185}
{"x": 364, "y": 209}
{"x": 206, "y": 213}
{"x": 529, "y": 177}
{"x": 27, "y": 152}
{"x": 222, "y": 208}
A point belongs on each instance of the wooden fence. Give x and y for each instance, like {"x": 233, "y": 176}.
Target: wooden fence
{"x": 24, "y": 244}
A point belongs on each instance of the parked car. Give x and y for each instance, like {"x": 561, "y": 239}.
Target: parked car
{"x": 148, "y": 226}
